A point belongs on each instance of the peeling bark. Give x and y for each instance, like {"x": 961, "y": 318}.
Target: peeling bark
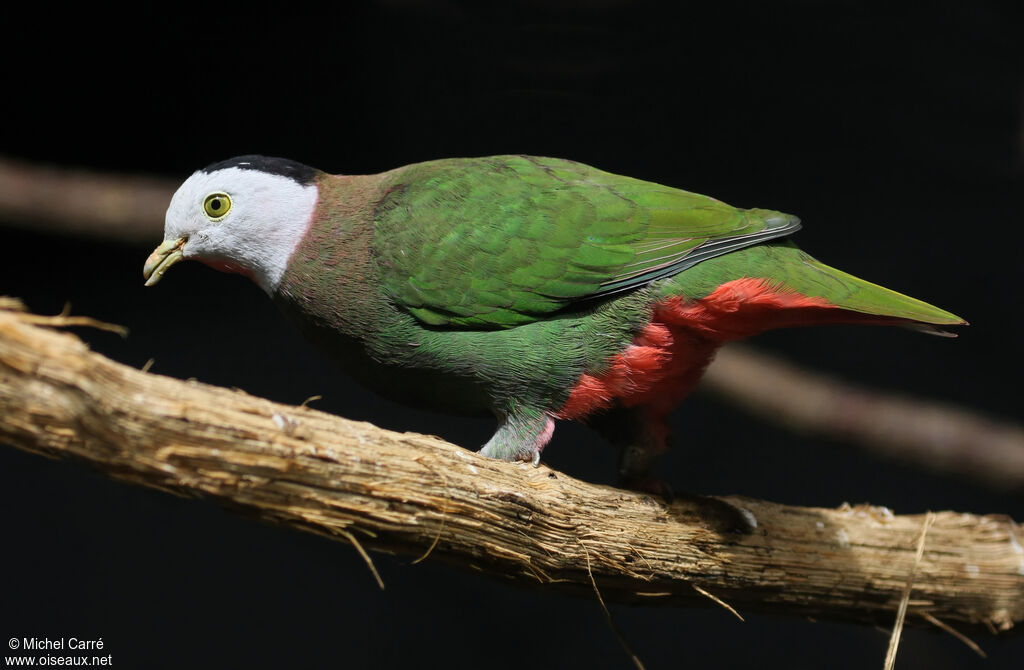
{"x": 418, "y": 495}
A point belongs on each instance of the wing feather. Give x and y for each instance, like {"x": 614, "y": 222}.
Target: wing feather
{"x": 501, "y": 241}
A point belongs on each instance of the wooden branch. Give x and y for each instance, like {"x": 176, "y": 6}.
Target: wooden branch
{"x": 131, "y": 208}
{"x": 417, "y": 495}
{"x": 942, "y": 437}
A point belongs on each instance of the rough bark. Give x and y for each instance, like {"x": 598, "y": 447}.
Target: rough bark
{"x": 417, "y": 495}
{"x": 130, "y": 208}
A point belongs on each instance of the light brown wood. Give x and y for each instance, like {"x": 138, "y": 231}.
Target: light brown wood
{"x": 130, "y": 208}
{"x": 414, "y": 494}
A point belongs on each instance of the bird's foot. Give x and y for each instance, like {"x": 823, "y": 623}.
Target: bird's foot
{"x": 647, "y": 484}
{"x": 521, "y": 436}
{"x": 511, "y": 452}
{"x": 722, "y": 516}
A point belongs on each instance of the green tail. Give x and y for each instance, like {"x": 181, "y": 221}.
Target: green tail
{"x": 863, "y": 296}
{"x": 787, "y": 267}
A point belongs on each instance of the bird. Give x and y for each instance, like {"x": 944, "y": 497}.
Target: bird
{"x": 535, "y": 289}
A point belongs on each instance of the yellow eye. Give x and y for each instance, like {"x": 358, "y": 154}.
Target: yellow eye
{"x": 217, "y": 205}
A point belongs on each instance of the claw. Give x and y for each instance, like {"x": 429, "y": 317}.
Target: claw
{"x": 536, "y": 459}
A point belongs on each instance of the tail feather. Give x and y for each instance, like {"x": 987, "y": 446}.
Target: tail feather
{"x": 857, "y": 295}
{"x": 777, "y": 285}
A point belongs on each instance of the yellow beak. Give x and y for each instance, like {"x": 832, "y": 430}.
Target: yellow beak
{"x": 163, "y": 257}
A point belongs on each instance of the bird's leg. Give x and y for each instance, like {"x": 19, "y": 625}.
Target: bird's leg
{"x": 641, "y": 435}
{"x": 521, "y": 435}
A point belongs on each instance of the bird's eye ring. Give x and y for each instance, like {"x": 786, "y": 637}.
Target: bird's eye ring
{"x": 217, "y": 205}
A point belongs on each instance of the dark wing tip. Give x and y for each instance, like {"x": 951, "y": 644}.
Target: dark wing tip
{"x": 932, "y": 329}
{"x": 783, "y": 224}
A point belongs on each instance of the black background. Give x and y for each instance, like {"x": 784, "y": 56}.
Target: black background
{"x": 895, "y": 134}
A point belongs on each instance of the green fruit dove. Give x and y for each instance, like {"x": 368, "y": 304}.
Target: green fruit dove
{"x": 532, "y": 288}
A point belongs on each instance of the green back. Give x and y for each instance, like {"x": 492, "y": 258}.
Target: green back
{"x": 501, "y": 241}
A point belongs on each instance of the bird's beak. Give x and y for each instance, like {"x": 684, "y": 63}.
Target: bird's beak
{"x": 163, "y": 257}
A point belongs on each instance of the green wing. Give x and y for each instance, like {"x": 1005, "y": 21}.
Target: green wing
{"x": 501, "y": 241}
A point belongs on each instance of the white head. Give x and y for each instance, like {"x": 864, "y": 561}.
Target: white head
{"x": 245, "y": 215}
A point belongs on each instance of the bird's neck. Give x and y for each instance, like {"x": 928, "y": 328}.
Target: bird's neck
{"x": 330, "y": 279}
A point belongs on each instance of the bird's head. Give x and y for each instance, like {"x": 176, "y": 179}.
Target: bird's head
{"x": 243, "y": 215}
